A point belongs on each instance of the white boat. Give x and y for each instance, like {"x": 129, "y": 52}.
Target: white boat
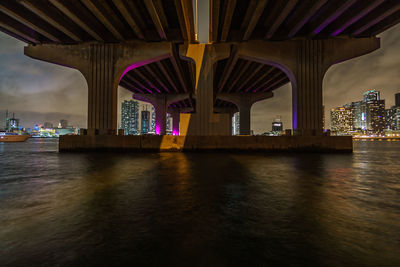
{"x": 13, "y": 137}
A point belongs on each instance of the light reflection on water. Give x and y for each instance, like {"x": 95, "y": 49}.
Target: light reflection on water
{"x": 199, "y": 209}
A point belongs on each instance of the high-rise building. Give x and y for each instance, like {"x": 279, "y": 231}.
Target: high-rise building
{"x": 153, "y": 120}
{"x": 277, "y": 125}
{"x": 393, "y": 118}
{"x": 145, "y": 121}
{"x": 236, "y": 123}
{"x": 342, "y": 120}
{"x": 397, "y": 100}
{"x": 376, "y": 116}
{"x": 371, "y": 95}
{"x": 169, "y": 123}
{"x": 359, "y": 115}
{"x": 130, "y": 117}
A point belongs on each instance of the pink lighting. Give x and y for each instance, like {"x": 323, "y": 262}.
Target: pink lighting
{"x": 158, "y": 128}
{"x": 175, "y": 132}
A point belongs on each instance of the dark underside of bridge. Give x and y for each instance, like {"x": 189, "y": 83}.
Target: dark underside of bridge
{"x": 233, "y": 24}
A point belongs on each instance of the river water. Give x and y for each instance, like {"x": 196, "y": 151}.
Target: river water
{"x": 199, "y": 209}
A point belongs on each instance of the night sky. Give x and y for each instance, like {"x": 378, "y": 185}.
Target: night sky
{"x": 38, "y": 91}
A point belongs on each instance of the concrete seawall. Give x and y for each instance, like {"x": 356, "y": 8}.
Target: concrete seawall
{"x": 169, "y": 143}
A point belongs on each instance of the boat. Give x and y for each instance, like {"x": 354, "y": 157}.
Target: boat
{"x": 13, "y": 137}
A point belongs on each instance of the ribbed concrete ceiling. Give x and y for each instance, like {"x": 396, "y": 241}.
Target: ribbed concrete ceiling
{"x": 236, "y": 20}
{"x": 77, "y": 21}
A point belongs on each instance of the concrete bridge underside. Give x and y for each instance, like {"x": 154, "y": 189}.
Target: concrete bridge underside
{"x": 149, "y": 47}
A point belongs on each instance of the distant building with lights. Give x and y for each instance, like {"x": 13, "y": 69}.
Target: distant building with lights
{"x": 153, "y": 120}
{"x": 342, "y": 120}
{"x": 277, "y": 125}
{"x": 145, "y": 122}
{"x": 393, "y": 115}
{"x": 130, "y": 117}
{"x": 236, "y": 124}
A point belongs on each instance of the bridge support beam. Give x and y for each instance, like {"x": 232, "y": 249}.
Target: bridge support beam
{"x": 204, "y": 121}
{"x": 161, "y": 103}
{"x": 305, "y": 62}
{"x": 102, "y": 65}
{"x": 244, "y": 102}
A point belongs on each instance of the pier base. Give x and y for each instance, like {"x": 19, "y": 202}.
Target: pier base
{"x": 169, "y": 143}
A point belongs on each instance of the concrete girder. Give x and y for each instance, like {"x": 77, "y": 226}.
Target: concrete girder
{"x": 102, "y": 65}
{"x": 40, "y": 29}
{"x": 227, "y": 19}
{"x": 159, "y": 19}
{"x": 244, "y": 103}
{"x": 350, "y": 19}
{"x": 71, "y": 15}
{"x": 32, "y": 7}
{"x": 253, "y": 13}
{"x": 282, "y": 16}
{"x": 103, "y": 19}
{"x": 160, "y": 103}
{"x": 121, "y": 6}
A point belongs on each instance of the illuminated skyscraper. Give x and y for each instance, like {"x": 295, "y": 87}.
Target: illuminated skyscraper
{"x": 145, "y": 121}
{"x": 236, "y": 124}
{"x": 277, "y": 125}
{"x": 342, "y": 120}
{"x": 153, "y": 120}
{"x": 130, "y": 117}
{"x": 169, "y": 123}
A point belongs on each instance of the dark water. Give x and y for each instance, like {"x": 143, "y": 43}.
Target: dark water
{"x": 199, "y": 209}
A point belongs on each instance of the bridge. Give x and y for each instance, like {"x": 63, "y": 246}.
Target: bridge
{"x": 149, "y": 47}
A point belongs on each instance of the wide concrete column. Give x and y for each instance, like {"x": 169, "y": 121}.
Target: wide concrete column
{"x": 204, "y": 121}
{"x": 244, "y": 102}
{"x": 161, "y": 103}
{"x": 307, "y": 95}
{"x": 175, "y": 121}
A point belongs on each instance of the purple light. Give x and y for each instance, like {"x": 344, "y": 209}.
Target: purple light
{"x": 158, "y": 128}
{"x": 175, "y": 132}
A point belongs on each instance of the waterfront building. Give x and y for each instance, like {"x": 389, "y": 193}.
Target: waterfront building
{"x": 397, "y": 100}
{"x": 393, "y": 118}
{"x": 153, "y": 120}
{"x": 169, "y": 123}
{"x": 375, "y": 112}
{"x": 130, "y": 117}
{"x": 342, "y": 120}
{"x": 236, "y": 123}
{"x": 145, "y": 122}
{"x": 359, "y": 115}
{"x": 277, "y": 125}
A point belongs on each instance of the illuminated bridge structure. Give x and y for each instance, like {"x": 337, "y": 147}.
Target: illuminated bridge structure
{"x": 149, "y": 47}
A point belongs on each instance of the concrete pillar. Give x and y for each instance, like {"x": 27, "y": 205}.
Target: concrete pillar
{"x": 307, "y": 94}
{"x": 244, "y": 102}
{"x": 161, "y": 103}
{"x": 175, "y": 122}
{"x": 244, "y": 117}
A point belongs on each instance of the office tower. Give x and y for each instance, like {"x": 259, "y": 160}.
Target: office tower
{"x": 342, "y": 120}
{"x": 153, "y": 120}
{"x": 393, "y": 119}
{"x": 169, "y": 123}
{"x": 236, "y": 124}
{"x": 130, "y": 117}
{"x": 277, "y": 125}
{"x": 397, "y": 100}
{"x": 371, "y": 95}
{"x": 359, "y": 115}
{"x": 145, "y": 121}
